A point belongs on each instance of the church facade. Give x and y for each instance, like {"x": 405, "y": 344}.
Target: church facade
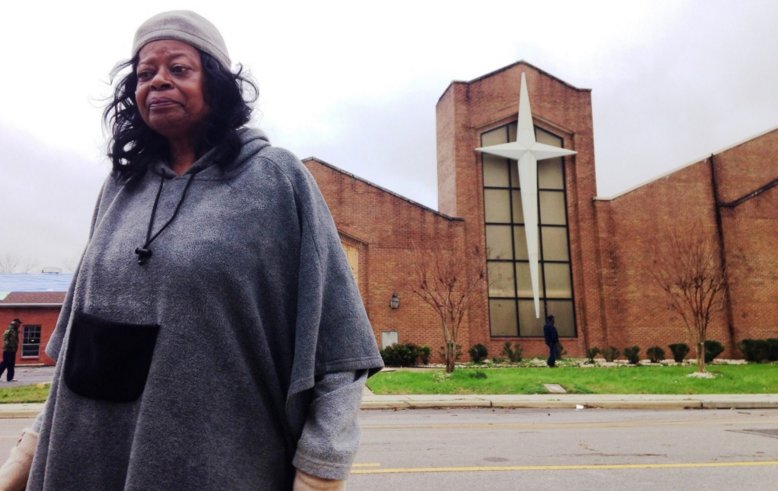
{"x": 595, "y": 255}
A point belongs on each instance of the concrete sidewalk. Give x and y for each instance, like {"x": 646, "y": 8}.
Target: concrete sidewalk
{"x": 573, "y": 401}
{"x": 536, "y": 401}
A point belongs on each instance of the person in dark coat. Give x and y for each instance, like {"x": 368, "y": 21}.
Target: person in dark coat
{"x": 10, "y": 346}
{"x": 551, "y": 336}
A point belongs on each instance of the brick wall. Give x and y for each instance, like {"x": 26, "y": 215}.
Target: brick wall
{"x": 750, "y": 232}
{"x": 635, "y": 234}
{"x": 636, "y": 226}
{"x": 387, "y": 228}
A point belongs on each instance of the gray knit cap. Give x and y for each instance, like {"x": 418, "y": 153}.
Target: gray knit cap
{"x": 185, "y": 26}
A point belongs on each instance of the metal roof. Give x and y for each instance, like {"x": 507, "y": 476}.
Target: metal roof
{"x": 40, "y": 282}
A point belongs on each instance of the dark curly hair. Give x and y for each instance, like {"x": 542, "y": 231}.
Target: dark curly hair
{"x": 133, "y": 145}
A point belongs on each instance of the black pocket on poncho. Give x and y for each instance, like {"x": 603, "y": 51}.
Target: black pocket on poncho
{"x": 108, "y": 360}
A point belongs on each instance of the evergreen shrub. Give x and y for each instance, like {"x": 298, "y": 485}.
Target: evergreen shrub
{"x": 755, "y": 350}
{"x": 655, "y": 354}
{"x": 424, "y": 354}
{"x": 713, "y": 349}
{"x": 610, "y": 353}
{"x": 632, "y": 354}
{"x": 772, "y": 348}
{"x": 478, "y": 353}
{"x": 591, "y": 353}
{"x": 513, "y": 354}
{"x": 400, "y": 355}
{"x": 679, "y": 350}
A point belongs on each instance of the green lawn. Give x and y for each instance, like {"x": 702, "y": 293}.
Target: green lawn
{"x": 729, "y": 379}
{"x": 24, "y": 393}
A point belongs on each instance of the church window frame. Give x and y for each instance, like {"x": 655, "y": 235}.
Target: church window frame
{"x": 510, "y": 304}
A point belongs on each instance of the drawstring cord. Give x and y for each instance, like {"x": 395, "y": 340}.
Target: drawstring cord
{"x": 144, "y": 252}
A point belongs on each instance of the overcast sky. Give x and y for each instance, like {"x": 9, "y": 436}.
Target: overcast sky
{"x": 355, "y": 84}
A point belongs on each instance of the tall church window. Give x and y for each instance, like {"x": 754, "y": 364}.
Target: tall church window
{"x": 511, "y": 306}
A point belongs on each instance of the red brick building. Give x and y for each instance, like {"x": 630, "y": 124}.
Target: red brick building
{"x": 596, "y": 254}
{"x": 38, "y": 312}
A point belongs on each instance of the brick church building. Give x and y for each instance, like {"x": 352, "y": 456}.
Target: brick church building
{"x": 596, "y": 255}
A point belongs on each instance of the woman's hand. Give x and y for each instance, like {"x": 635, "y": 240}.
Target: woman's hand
{"x": 14, "y": 473}
{"x": 307, "y": 482}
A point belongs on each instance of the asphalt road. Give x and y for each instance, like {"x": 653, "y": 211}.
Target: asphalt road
{"x": 533, "y": 449}
{"x": 522, "y": 449}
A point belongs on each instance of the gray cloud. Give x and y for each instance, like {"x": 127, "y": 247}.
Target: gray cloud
{"x": 47, "y": 195}
{"x": 356, "y": 85}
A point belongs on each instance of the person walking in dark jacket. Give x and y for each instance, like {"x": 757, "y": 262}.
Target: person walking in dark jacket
{"x": 552, "y": 340}
{"x": 10, "y": 345}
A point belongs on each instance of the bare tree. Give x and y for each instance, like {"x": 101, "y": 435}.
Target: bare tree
{"x": 11, "y": 263}
{"x": 443, "y": 282}
{"x": 693, "y": 279}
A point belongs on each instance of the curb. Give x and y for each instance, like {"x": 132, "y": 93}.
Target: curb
{"x": 539, "y": 401}
{"x": 20, "y": 411}
{"x": 762, "y": 401}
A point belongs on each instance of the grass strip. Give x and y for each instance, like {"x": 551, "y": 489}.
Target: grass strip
{"x": 24, "y": 393}
{"x": 729, "y": 379}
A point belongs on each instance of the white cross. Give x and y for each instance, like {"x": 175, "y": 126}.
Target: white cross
{"x": 527, "y": 151}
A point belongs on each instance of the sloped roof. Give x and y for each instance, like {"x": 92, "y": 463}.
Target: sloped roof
{"x": 506, "y": 68}
{"x": 32, "y": 298}
{"x": 40, "y": 282}
{"x": 381, "y": 188}
{"x": 686, "y": 165}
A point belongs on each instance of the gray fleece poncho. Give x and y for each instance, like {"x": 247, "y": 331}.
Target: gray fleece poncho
{"x": 200, "y": 368}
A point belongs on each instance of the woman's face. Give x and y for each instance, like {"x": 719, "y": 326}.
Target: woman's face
{"x": 169, "y": 93}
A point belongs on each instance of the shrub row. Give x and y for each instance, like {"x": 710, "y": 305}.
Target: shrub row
{"x": 405, "y": 355}
{"x": 479, "y": 352}
{"x": 655, "y": 353}
{"x": 511, "y": 352}
{"x": 759, "y": 350}
{"x": 755, "y": 350}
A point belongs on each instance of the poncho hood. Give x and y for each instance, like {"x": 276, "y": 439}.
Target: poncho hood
{"x": 252, "y": 142}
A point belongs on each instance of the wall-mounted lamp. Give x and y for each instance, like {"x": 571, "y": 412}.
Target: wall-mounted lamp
{"x": 394, "y": 303}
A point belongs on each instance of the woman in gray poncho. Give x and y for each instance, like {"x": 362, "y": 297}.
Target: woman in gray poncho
{"x": 213, "y": 336}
